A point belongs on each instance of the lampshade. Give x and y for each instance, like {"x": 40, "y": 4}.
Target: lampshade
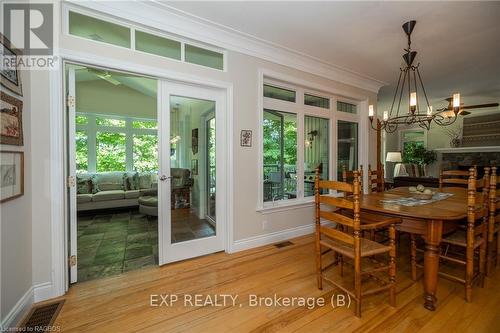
{"x": 393, "y": 157}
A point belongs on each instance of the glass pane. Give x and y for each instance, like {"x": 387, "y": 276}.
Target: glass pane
{"x": 99, "y": 30}
{"x": 204, "y": 57}
{"x": 279, "y": 93}
{"x": 346, "y": 107}
{"x": 145, "y": 124}
{"x": 110, "y": 151}
{"x": 320, "y": 102}
{"x": 211, "y": 162}
{"x": 145, "y": 153}
{"x": 280, "y": 155}
{"x": 347, "y": 147}
{"x": 413, "y": 135}
{"x": 316, "y": 151}
{"x": 157, "y": 45}
{"x": 193, "y": 165}
{"x": 110, "y": 122}
{"x": 82, "y": 151}
{"x": 81, "y": 120}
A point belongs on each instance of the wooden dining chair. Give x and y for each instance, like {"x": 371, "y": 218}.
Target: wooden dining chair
{"x": 376, "y": 179}
{"x": 347, "y": 242}
{"x": 348, "y": 175}
{"x": 448, "y": 178}
{"x": 470, "y": 242}
{"x": 493, "y": 249}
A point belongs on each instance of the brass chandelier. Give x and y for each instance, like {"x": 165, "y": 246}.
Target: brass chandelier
{"x": 410, "y": 85}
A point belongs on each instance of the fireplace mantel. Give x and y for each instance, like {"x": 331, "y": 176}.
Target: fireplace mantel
{"x": 458, "y": 150}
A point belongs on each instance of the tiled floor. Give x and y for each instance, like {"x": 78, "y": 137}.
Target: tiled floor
{"x": 113, "y": 243}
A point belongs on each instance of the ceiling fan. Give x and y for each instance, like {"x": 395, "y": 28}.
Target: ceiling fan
{"x": 105, "y": 75}
{"x": 463, "y": 108}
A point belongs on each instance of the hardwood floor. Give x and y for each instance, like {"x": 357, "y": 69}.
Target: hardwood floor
{"x": 122, "y": 303}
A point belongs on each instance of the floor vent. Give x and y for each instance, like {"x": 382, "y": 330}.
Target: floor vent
{"x": 283, "y": 244}
{"x": 42, "y": 317}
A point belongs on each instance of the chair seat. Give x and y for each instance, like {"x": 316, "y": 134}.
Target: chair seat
{"x": 368, "y": 247}
{"x": 459, "y": 238}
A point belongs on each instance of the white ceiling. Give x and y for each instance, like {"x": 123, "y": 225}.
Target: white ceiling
{"x": 457, "y": 42}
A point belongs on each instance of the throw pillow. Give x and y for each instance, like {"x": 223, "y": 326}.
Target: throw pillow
{"x": 83, "y": 184}
{"x": 145, "y": 180}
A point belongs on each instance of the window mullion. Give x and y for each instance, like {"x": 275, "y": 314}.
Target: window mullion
{"x": 129, "y": 145}
{"x": 300, "y": 145}
{"x": 92, "y": 143}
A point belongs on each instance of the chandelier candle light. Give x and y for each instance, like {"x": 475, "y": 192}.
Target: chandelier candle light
{"x": 417, "y": 113}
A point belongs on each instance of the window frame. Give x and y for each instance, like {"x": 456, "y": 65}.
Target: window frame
{"x": 91, "y": 128}
{"x": 401, "y": 133}
{"x": 301, "y": 110}
{"x": 66, "y": 8}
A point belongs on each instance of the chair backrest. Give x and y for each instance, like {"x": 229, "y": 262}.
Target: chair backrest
{"x": 453, "y": 178}
{"x": 348, "y": 176}
{"x": 351, "y": 205}
{"x": 376, "y": 179}
{"x": 493, "y": 195}
{"x": 476, "y": 203}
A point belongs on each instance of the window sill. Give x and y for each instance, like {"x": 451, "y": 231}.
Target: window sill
{"x": 282, "y": 206}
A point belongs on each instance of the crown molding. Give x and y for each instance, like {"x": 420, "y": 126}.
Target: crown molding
{"x": 158, "y": 15}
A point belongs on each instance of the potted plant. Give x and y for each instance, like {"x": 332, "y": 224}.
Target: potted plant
{"x": 415, "y": 153}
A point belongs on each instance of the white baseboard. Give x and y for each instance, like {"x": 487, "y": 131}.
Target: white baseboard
{"x": 43, "y": 291}
{"x": 18, "y": 311}
{"x": 273, "y": 237}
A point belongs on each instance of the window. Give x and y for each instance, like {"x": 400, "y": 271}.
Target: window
{"x": 98, "y": 30}
{"x": 204, "y": 57}
{"x": 110, "y": 151}
{"x": 289, "y": 165}
{"x": 111, "y": 143}
{"x": 279, "y": 93}
{"x": 82, "y": 151}
{"x": 347, "y": 146}
{"x": 319, "y": 102}
{"x": 157, "y": 45}
{"x": 416, "y": 137}
{"x": 123, "y": 33}
{"x": 280, "y": 155}
{"x": 145, "y": 153}
{"x": 316, "y": 151}
{"x": 346, "y": 107}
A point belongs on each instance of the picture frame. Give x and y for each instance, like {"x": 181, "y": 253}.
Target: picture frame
{"x": 194, "y": 167}
{"x": 194, "y": 141}
{"x": 11, "y": 175}
{"x": 10, "y": 78}
{"x": 246, "y": 138}
{"x": 11, "y": 120}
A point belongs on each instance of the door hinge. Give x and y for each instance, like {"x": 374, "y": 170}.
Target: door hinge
{"x": 71, "y": 101}
{"x": 72, "y": 260}
{"x": 71, "y": 181}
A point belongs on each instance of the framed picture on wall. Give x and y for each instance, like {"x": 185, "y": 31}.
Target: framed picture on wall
{"x": 11, "y": 175}
{"x": 10, "y": 77}
{"x": 11, "y": 120}
{"x": 246, "y": 138}
{"x": 194, "y": 141}
{"x": 194, "y": 167}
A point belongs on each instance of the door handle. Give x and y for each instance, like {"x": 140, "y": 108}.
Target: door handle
{"x": 163, "y": 178}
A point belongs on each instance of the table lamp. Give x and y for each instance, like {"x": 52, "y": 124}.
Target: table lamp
{"x": 394, "y": 157}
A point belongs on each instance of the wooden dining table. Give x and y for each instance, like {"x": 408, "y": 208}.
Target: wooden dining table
{"x": 430, "y": 220}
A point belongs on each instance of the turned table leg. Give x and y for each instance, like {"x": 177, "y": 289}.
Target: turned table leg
{"x": 431, "y": 263}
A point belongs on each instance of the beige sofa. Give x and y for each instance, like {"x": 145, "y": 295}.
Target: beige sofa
{"x": 113, "y": 189}
{"x": 117, "y": 189}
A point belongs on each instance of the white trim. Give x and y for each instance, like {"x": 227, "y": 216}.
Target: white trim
{"x": 166, "y": 18}
{"x": 19, "y": 310}
{"x": 484, "y": 149}
{"x": 273, "y": 237}
{"x": 43, "y": 291}
{"x": 284, "y": 205}
{"x": 58, "y": 155}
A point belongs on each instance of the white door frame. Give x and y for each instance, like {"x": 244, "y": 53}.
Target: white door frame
{"x": 168, "y": 251}
{"x": 58, "y": 161}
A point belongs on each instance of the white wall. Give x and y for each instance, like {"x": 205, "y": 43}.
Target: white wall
{"x": 242, "y": 73}
{"x": 16, "y": 226}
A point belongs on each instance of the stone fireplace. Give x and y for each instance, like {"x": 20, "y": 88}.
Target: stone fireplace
{"x": 465, "y": 157}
